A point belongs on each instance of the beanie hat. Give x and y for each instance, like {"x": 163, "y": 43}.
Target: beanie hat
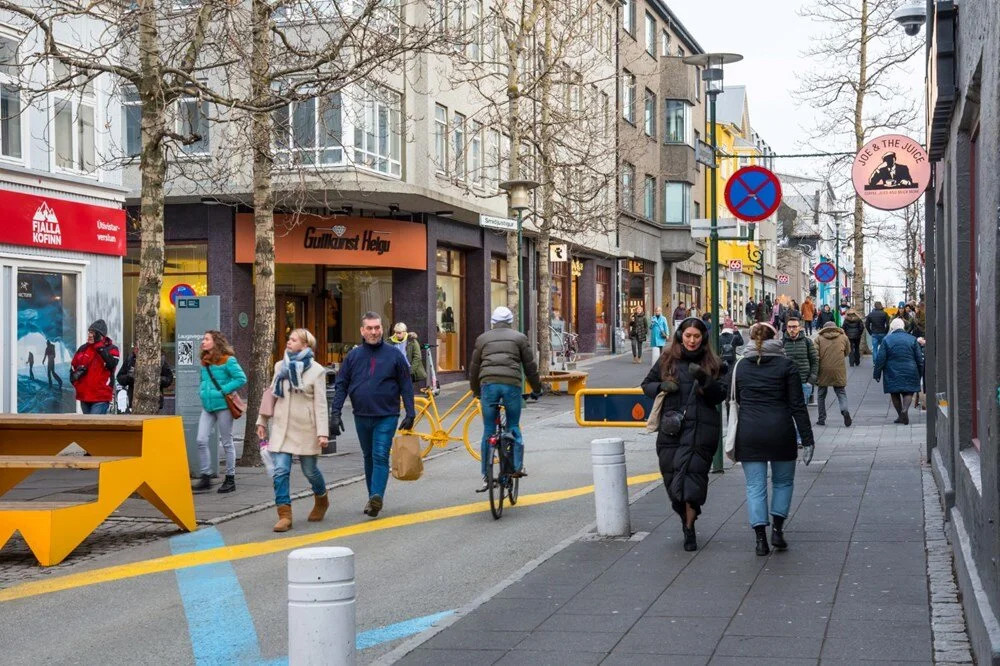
{"x": 99, "y": 327}
{"x": 502, "y": 315}
{"x": 897, "y": 325}
{"x": 829, "y": 324}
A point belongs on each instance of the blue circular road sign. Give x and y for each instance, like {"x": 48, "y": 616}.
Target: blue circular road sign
{"x": 753, "y": 193}
{"x": 825, "y": 272}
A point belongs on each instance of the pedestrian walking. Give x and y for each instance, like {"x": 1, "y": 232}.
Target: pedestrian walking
{"x": 221, "y": 375}
{"x": 751, "y": 312}
{"x": 49, "y": 359}
{"x": 808, "y": 314}
{"x": 825, "y": 315}
{"x": 638, "y": 331}
{"x": 501, "y": 359}
{"x": 832, "y": 345}
{"x": 126, "y": 376}
{"x": 772, "y": 415}
{"x": 901, "y": 361}
{"x": 659, "y": 331}
{"x": 707, "y": 320}
{"x": 376, "y": 378}
{"x": 793, "y": 312}
{"x": 298, "y": 426}
{"x": 730, "y": 340}
{"x": 688, "y": 374}
{"x": 877, "y": 325}
{"x": 802, "y": 351}
{"x": 854, "y": 327}
{"x": 680, "y": 312}
{"x": 92, "y": 367}
{"x": 409, "y": 346}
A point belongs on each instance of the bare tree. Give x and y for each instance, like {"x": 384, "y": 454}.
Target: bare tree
{"x": 852, "y": 89}
{"x": 907, "y": 236}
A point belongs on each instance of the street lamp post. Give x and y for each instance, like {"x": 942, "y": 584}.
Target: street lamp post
{"x": 518, "y": 195}
{"x": 712, "y": 76}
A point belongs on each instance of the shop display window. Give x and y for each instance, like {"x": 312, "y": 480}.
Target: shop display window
{"x": 498, "y": 282}
{"x": 450, "y": 290}
{"x": 603, "y": 298}
{"x": 348, "y": 294}
{"x": 46, "y": 341}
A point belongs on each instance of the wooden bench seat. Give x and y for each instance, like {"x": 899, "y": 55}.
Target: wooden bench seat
{"x": 28, "y": 505}
{"x": 576, "y": 380}
{"x": 56, "y": 462}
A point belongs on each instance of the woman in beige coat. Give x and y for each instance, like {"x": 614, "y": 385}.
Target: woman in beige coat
{"x": 299, "y": 425}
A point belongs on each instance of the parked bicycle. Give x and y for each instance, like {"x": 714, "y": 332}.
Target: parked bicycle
{"x": 429, "y": 424}
{"x": 565, "y": 345}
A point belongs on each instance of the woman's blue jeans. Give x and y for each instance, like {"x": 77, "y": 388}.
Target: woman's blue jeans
{"x": 782, "y": 484}
{"x": 375, "y": 434}
{"x": 282, "y": 470}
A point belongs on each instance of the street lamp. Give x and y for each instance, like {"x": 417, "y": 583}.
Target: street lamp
{"x": 519, "y": 199}
{"x": 837, "y": 214}
{"x": 711, "y": 74}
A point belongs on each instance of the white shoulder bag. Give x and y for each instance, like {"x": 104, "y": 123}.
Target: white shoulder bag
{"x": 734, "y": 417}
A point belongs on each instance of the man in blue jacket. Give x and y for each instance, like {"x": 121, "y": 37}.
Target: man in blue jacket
{"x": 375, "y": 375}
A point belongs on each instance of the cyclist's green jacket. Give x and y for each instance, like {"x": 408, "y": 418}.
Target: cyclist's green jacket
{"x": 498, "y": 357}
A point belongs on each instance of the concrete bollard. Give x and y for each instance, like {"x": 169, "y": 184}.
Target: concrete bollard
{"x": 321, "y": 621}
{"x": 610, "y": 486}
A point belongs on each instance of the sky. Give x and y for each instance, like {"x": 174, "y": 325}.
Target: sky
{"x": 771, "y": 36}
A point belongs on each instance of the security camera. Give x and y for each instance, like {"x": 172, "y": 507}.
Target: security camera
{"x": 911, "y": 17}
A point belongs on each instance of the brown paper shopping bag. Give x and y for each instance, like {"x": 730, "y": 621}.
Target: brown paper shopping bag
{"x": 405, "y": 461}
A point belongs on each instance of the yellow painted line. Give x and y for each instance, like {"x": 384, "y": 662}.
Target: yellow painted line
{"x": 276, "y": 545}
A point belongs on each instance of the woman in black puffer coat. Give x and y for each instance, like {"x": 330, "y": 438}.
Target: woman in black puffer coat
{"x": 688, "y": 373}
{"x": 769, "y": 393}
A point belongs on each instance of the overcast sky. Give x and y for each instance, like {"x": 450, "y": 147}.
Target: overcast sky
{"x": 771, "y": 37}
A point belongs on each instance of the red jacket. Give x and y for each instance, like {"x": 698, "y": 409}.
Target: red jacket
{"x": 99, "y": 359}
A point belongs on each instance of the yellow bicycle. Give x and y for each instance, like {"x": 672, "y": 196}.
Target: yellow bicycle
{"x": 429, "y": 423}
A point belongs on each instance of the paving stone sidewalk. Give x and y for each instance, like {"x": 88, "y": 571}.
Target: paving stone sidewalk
{"x": 852, "y": 587}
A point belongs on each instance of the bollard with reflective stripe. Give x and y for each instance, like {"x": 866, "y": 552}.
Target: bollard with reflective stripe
{"x": 610, "y": 486}
{"x": 321, "y": 621}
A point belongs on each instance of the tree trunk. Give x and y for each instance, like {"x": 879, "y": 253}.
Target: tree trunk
{"x": 514, "y": 169}
{"x": 858, "y": 280}
{"x": 153, "y": 167}
{"x": 548, "y": 202}
{"x": 263, "y": 220}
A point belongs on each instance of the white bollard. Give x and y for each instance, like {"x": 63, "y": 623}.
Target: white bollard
{"x": 321, "y": 621}
{"x": 610, "y": 486}
{"x": 656, "y": 355}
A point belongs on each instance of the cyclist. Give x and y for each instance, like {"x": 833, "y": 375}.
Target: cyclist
{"x": 495, "y": 376}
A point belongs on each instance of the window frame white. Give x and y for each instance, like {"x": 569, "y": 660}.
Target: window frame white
{"x": 369, "y": 105}
{"x": 685, "y": 193}
{"x": 650, "y": 25}
{"x": 288, "y": 151}
{"x": 475, "y": 130}
{"x": 127, "y": 103}
{"x": 440, "y": 138}
{"x": 688, "y": 129}
{"x": 649, "y": 114}
{"x": 11, "y": 81}
{"x": 77, "y": 98}
{"x": 459, "y": 127}
{"x": 649, "y": 197}
{"x": 628, "y": 17}
{"x": 202, "y": 147}
{"x": 628, "y": 186}
{"x": 628, "y": 96}
{"x": 664, "y": 43}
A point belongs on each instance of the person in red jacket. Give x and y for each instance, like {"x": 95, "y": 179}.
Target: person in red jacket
{"x": 92, "y": 368}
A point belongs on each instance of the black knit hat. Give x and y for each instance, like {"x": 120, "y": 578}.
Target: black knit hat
{"x": 99, "y": 327}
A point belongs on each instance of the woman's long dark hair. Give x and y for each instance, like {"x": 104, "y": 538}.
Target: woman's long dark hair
{"x": 672, "y": 355}
{"x": 219, "y": 352}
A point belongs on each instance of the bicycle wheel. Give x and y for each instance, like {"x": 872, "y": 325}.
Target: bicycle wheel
{"x": 494, "y": 481}
{"x": 512, "y": 482}
{"x": 472, "y": 432}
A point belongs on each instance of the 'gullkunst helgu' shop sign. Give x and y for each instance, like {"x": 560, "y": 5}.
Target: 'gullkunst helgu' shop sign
{"x": 891, "y": 172}
{"x": 338, "y": 241}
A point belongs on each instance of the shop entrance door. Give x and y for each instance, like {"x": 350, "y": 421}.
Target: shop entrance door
{"x": 290, "y": 314}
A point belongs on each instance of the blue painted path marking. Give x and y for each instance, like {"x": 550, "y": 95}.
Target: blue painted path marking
{"x": 373, "y": 637}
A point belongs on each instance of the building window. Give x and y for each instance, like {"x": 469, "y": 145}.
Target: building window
{"x": 628, "y": 16}
{"x": 974, "y": 286}
{"x": 650, "y": 35}
{"x": 606, "y": 113}
{"x": 628, "y": 187}
{"x": 697, "y": 83}
{"x": 628, "y": 97}
{"x": 492, "y": 148}
{"x": 498, "y": 282}
{"x": 192, "y": 123}
{"x": 131, "y": 120}
{"x": 677, "y": 122}
{"x": 476, "y": 151}
{"x": 440, "y": 137}
{"x": 607, "y": 34}
{"x": 697, "y": 210}
{"x": 475, "y": 48}
{"x": 310, "y": 131}
{"x": 377, "y": 134}
{"x": 680, "y": 52}
{"x": 664, "y": 43}
{"x": 10, "y": 100}
{"x": 458, "y": 144}
{"x": 649, "y": 121}
{"x": 73, "y": 115}
{"x": 450, "y": 291}
{"x": 676, "y": 203}
{"x": 603, "y": 298}
{"x": 649, "y": 197}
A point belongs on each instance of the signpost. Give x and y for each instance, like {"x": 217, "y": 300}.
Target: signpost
{"x": 784, "y": 278}
{"x": 736, "y": 265}
{"x": 753, "y": 193}
{"x": 825, "y": 272}
{"x": 499, "y": 223}
{"x": 703, "y": 154}
{"x": 727, "y": 229}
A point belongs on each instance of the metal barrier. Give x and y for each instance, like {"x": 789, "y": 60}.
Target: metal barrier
{"x": 613, "y": 408}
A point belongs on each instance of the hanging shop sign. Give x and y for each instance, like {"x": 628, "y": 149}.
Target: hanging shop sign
{"x": 558, "y": 253}
{"x": 338, "y": 241}
{"x": 753, "y": 193}
{"x": 784, "y": 278}
{"x": 736, "y": 265}
{"x": 47, "y": 222}
{"x": 891, "y": 172}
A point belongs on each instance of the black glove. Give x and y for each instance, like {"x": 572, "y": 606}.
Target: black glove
{"x": 535, "y": 395}
{"x": 668, "y": 386}
{"x": 407, "y": 423}
{"x": 698, "y": 373}
{"x": 336, "y": 425}
{"x": 77, "y": 374}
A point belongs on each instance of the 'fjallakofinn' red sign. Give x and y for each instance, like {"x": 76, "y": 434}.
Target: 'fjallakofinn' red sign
{"x": 49, "y": 222}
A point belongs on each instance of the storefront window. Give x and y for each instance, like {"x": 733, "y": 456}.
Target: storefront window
{"x": 186, "y": 269}
{"x": 46, "y": 341}
{"x": 498, "y": 282}
{"x": 601, "y": 315}
{"x": 560, "y": 293}
{"x": 450, "y": 288}
{"x": 350, "y": 294}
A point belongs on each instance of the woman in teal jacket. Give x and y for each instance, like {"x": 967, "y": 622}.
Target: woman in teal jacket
{"x": 659, "y": 331}
{"x": 220, "y": 376}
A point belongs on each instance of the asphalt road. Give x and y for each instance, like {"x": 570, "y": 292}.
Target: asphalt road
{"x": 436, "y": 564}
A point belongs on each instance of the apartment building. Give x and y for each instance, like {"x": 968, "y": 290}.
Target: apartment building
{"x": 661, "y": 185}
{"x": 63, "y": 235}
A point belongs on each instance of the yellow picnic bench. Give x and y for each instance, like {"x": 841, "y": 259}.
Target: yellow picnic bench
{"x": 575, "y": 380}
{"x": 132, "y": 454}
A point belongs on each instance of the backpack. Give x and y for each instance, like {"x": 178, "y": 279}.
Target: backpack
{"x": 726, "y": 346}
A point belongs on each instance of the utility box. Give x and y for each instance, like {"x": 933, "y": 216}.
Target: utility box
{"x": 195, "y": 315}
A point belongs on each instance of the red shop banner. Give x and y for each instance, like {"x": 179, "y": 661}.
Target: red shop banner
{"x": 50, "y": 222}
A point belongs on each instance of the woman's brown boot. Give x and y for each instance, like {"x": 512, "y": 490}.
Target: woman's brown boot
{"x": 321, "y": 504}
{"x": 284, "y": 518}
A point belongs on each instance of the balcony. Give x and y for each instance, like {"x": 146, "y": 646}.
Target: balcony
{"x": 676, "y": 243}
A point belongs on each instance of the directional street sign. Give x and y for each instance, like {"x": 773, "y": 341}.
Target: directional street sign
{"x": 703, "y": 154}
{"x": 753, "y": 193}
{"x": 736, "y": 265}
{"x": 783, "y": 278}
{"x": 825, "y": 272}
{"x": 501, "y": 223}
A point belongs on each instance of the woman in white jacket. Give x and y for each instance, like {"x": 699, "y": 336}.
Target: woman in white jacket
{"x": 299, "y": 425}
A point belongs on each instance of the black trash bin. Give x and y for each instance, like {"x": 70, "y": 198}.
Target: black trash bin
{"x": 331, "y": 378}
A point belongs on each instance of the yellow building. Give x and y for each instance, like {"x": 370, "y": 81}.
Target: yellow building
{"x": 741, "y": 147}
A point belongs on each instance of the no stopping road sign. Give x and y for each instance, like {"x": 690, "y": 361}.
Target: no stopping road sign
{"x": 753, "y": 193}
{"x": 825, "y": 272}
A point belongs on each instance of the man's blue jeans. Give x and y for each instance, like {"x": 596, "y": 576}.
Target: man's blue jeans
{"x": 782, "y": 484}
{"x": 490, "y": 397}
{"x": 877, "y": 339}
{"x": 375, "y": 434}
{"x": 282, "y": 470}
